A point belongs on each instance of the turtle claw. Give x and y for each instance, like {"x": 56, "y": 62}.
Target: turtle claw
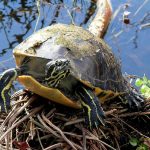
{"x": 135, "y": 101}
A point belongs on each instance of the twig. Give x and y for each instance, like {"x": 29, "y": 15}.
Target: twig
{"x": 145, "y": 25}
{"x": 72, "y": 21}
{"x": 38, "y": 3}
{"x": 74, "y": 122}
{"x": 46, "y": 127}
{"x": 17, "y": 94}
{"x": 84, "y": 139}
{"x": 51, "y": 112}
{"x": 102, "y": 133}
{"x": 32, "y": 99}
{"x": 140, "y": 7}
{"x": 134, "y": 114}
{"x": 59, "y": 131}
{"x": 132, "y": 127}
{"x": 107, "y": 145}
{"x": 97, "y": 139}
{"x": 20, "y": 121}
{"x": 118, "y": 147}
{"x": 110, "y": 112}
{"x": 39, "y": 139}
{"x": 15, "y": 112}
{"x": 54, "y": 146}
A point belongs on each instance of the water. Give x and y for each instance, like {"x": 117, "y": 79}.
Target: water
{"x": 130, "y": 43}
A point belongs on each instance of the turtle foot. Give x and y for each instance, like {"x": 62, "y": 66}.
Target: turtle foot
{"x": 94, "y": 114}
{"x": 135, "y": 100}
{"x": 4, "y": 99}
{"x": 6, "y": 80}
{"x": 95, "y": 118}
{"x": 5, "y": 105}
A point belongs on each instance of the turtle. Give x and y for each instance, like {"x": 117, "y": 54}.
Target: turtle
{"x": 70, "y": 66}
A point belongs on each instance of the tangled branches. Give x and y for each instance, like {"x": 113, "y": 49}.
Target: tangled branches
{"x": 35, "y": 123}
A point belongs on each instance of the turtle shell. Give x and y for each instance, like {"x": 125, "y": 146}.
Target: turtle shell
{"x": 92, "y": 61}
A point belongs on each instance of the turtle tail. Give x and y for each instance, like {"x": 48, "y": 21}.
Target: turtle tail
{"x": 6, "y": 80}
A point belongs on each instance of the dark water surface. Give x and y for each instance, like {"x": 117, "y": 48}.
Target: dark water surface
{"x": 131, "y": 43}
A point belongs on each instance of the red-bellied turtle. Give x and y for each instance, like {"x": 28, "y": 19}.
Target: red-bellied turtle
{"x": 68, "y": 65}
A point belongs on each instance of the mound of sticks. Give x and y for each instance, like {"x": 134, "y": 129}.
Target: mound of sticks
{"x": 37, "y": 124}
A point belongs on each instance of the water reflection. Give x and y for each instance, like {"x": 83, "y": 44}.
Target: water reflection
{"x": 131, "y": 42}
{"x": 18, "y": 20}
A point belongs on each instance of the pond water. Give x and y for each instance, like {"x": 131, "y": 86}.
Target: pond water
{"x": 130, "y": 43}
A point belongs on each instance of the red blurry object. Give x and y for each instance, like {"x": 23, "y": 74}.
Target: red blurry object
{"x": 21, "y": 145}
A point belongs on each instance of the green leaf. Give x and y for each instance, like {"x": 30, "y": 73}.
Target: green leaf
{"x": 138, "y": 82}
{"x": 144, "y": 89}
{"x": 147, "y": 94}
{"x": 133, "y": 141}
{"x": 145, "y": 78}
{"x": 148, "y": 83}
{"x": 142, "y": 147}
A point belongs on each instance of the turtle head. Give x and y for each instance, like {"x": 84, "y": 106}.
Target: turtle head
{"x": 6, "y": 79}
{"x": 56, "y": 70}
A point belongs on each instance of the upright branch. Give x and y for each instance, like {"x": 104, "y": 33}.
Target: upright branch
{"x": 102, "y": 18}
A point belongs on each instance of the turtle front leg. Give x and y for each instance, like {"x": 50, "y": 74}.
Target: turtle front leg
{"x": 6, "y": 79}
{"x": 94, "y": 114}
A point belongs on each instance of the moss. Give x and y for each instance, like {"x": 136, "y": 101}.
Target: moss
{"x": 74, "y": 38}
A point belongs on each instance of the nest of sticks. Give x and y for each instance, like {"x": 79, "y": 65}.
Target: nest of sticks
{"x": 35, "y": 123}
